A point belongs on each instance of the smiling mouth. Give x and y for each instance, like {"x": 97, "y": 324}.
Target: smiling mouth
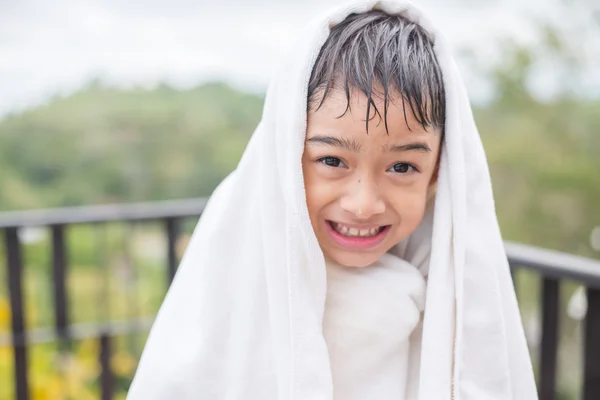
{"x": 356, "y": 238}
{"x": 354, "y": 232}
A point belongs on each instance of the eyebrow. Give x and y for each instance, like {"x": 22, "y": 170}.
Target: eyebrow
{"x": 422, "y": 147}
{"x": 353, "y": 146}
{"x": 350, "y": 145}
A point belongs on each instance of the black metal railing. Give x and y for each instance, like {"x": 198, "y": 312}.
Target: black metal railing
{"x": 552, "y": 267}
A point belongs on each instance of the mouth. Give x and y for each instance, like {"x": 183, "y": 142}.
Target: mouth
{"x": 357, "y": 237}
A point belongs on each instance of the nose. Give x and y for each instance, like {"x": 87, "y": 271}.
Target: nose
{"x": 363, "y": 200}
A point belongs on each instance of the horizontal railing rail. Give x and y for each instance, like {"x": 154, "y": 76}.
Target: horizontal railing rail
{"x": 104, "y": 213}
{"x": 553, "y": 267}
{"x": 555, "y": 264}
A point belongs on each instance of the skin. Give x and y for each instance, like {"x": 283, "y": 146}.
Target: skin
{"x": 366, "y": 180}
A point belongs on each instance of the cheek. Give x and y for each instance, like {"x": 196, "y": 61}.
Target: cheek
{"x": 410, "y": 207}
{"x": 317, "y": 193}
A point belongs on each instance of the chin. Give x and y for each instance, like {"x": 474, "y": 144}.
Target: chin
{"x": 354, "y": 259}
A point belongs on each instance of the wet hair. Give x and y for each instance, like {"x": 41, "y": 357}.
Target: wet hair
{"x": 381, "y": 55}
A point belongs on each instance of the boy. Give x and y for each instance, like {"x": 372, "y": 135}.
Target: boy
{"x": 368, "y": 117}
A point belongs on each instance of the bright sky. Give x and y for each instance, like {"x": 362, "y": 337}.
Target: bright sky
{"x": 50, "y": 47}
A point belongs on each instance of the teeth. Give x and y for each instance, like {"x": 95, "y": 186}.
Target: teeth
{"x": 344, "y": 230}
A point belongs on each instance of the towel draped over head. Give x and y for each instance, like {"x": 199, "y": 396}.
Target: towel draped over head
{"x": 243, "y": 317}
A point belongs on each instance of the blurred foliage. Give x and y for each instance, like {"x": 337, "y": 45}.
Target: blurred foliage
{"x": 545, "y": 161}
{"x": 104, "y": 145}
{"x": 109, "y": 145}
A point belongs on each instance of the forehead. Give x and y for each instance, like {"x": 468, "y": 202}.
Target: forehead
{"x": 339, "y": 116}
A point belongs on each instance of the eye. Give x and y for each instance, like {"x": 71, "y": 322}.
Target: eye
{"x": 331, "y": 161}
{"x": 402, "y": 168}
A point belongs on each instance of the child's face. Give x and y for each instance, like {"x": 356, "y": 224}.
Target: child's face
{"x": 366, "y": 192}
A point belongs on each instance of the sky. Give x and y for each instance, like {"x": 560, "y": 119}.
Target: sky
{"x": 53, "y": 47}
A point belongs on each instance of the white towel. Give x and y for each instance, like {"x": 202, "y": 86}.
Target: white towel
{"x": 370, "y": 315}
{"x": 243, "y": 317}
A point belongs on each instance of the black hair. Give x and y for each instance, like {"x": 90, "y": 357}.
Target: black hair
{"x": 389, "y": 52}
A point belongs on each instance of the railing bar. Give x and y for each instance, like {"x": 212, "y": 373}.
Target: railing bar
{"x": 59, "y": 272}
{"x": 132, "y": 281}
{"x": 549, "y": 344}
{"x": 103, "y": 295}
{"x": 172, "y": 227}
{"x": 15, "y": 286}
{"x": 106, "y": 377}
{"x": 104, "y": 213}
{"x": 555, "y": 264}
{"x": 591, "y": 369}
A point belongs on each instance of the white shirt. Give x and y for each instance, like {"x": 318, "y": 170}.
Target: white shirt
{"x": 370, "y": 314}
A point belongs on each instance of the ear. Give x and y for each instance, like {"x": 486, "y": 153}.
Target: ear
{"x": 434, "y": 177}
{"x": 431, "y": 190}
